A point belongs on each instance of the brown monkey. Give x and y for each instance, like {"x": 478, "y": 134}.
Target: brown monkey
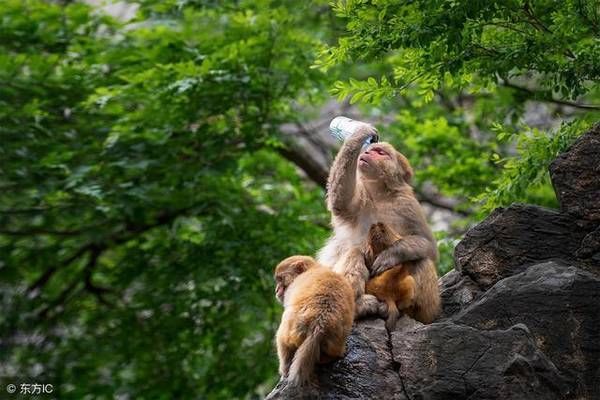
{"x": 365, "y": 187}
{"x": 395, "y": 287}
{"x": 415, "y": 291}
{"x": 318, "y": 316}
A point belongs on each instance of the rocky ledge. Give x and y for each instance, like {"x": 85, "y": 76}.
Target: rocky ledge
{"x": 521, "y": 310}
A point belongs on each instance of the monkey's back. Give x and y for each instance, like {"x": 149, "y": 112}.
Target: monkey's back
{"x": 323, "y": 301}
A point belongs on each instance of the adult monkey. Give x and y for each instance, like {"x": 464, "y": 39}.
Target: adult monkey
{"x": 365, "y": 187}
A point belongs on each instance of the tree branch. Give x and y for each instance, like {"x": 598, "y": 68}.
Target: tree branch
{"x": 540, "y": 96}
{"x": 130, "y": 231}
{"x": 45, "y": 277}
{"x": 97, "y": 291}
{"x": 306, "y": 163}
{"x": 60, "y": 300}
{"x": 534, "y": 21}
{"x": 438, "y": 201}
{"x": 30, "y": 210}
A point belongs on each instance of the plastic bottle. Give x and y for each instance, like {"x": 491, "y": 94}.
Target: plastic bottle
{"x": 343, "y": 127}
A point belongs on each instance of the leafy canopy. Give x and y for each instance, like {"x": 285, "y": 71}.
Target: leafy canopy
{"x": 143, "y": 206}
{"x": 463, "y": 70}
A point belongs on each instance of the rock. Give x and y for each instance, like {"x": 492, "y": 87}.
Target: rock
{"x": 449, "y": 361}
{"x": 533, "y": 335}
{"x": 560, "y": 304}
{"x": 457, "y": 291}
{"x": 366, "y": 371}
{"x": 514, "y": 237}
{"x": 589, "y": 250}
{"x": 575, "y": 176}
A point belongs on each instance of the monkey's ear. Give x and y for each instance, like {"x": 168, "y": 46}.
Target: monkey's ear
{"x": 407, "y": 171}
{"x": 300, "y": 266}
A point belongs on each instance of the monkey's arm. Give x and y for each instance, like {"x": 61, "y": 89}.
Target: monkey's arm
{"x": 341, "y": 184}
{"x": 409, "y": 248}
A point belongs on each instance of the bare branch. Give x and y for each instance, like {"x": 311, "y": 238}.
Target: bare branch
{"x": 130, "y": 231}
{"x": 306, "y": 163}
{"x": 540, "y": 96}
{"x": 439, "y": 201}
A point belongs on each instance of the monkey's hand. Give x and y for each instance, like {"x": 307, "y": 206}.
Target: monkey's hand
{"x": 365, "y": 133}
{"x": 386, "y": 260}
{"x": 409, "y": 248}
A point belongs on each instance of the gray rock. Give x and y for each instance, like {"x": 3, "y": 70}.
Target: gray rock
{"x": 533, "y": 335}
{"x": 575, "y": 176}
{"x": 457, "y": 291}
{"x": 366, "y": 372}
{"x": 560, "y": 304}
{"x": 512, "y": 238}
{"x": 589, "y": 249}
{"x": 449, "y": 361}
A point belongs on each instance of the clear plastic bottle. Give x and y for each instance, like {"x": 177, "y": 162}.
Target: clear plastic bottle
{"x": 342, "y": 127}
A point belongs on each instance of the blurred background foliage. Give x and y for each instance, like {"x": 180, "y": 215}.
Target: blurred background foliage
{"x": 155, "y": 164}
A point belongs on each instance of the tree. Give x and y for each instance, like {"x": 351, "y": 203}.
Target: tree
{"x": 464, "y": 74}
{"x": 144, "y": 203}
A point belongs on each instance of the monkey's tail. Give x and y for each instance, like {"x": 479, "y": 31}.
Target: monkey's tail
{"x": 393, "y": 315}
{"x": 305, "y": 359}
{"x": 429, "y": 302}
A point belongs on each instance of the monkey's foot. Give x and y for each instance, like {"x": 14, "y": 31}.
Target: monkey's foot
{"x": 367, "y": 305}
{"x": 383, "y": 310}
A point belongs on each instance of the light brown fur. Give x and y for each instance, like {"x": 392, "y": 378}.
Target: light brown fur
{"x": 364, "y": 188}
{"x": 403, "y": 287}
{"x": 395, "y": 287}
{"x": 318, "y": 316}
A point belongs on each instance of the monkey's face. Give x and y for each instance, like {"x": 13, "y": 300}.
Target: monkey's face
{"x": 287, "y": 270}
{"x": 382, "y": 161}
{"x": 282, "y": 281}
{"x": 380, "y": 238}
{"x": 377, "y": 232}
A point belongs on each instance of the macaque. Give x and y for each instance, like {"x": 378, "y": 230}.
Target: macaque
{"x": 402, "y": 288}
{"x": 365, "y": 187}
{"x": 317, "y": 318}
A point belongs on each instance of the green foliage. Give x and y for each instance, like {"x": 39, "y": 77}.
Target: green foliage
{"x": 527, "y": 172}
{"x": 446, "y": 244}
{"x": 143, "y": 205}
{"x": 443, "y": 153}
{"x": 369, "y": 91}
{"x": 480, "y": 62}
{"x": 496, "y": 39}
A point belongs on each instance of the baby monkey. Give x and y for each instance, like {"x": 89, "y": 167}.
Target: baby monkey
{"x": 403, "y": 287}
{"x": 395, "y": 287}
{"x": 317, "y": 317}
